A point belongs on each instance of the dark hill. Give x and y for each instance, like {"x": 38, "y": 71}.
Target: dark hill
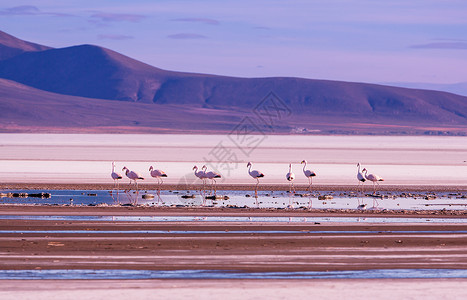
{"x": 97, "y": 73}
{"x": 11, "y": 46}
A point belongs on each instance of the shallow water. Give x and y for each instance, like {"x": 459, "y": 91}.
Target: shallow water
{"x": 228, "y": 274}
{"x": 203, "y": 232}
{"x": 235, "y": 219}
{"x": 273, "y": 199}
{"x": 85, "y": 158}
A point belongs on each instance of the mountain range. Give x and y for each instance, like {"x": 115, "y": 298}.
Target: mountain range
{"x": 88, "y": 88}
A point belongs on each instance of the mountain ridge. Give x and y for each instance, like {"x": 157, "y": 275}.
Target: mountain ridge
{"x": 97, "y": 73}
{"x": 11, "y": 46}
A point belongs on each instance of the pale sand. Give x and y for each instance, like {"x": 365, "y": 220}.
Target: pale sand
{"x": 383, "y": 289}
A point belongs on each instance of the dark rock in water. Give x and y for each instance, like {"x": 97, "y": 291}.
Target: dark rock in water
{"x": 247, "y": 195}
{"x": 20, "y": 195}
{"x": 91, "y": 204}
{"x": 92, "y": 194}
{"x": 127, "y": 204}
{"x": 375, "y": 195}
{"x": 148, "y": 196}
{"x": 217, "y": 197}
{"x": 188, "y": 196}
{"x": 325, "y": 197}
{"x": 40, "y": 195}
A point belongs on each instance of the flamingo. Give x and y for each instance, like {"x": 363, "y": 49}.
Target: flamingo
{"x": 115, "y": 176}
{"x": 157, "y": 174}
{"x": 290, "y": 177}
{"x": 360, "y": 177}
{"x": 372, "y": 177}
{"x": 133, "y": 176}
{"x": 308, "y": 174}
{"x": 212, "y": 176}
{"x": 200, "y": 174}
{"x": 256, "y": 175}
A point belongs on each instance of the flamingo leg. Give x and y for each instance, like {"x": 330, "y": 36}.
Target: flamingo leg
{"x": 118, "y": 188}
{"x": 256, "y": 188}
{"x": 215, "y": 187}
{"x": 137, "y": 192}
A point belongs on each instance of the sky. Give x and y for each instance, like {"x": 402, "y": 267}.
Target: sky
{"x": 355, "y": 40}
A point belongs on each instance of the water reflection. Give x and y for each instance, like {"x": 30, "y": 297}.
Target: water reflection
{"x": 248, "y": 219}
{"x": 226, "y": 198}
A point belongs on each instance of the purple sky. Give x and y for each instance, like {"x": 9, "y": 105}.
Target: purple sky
{"x": 356, "y": 40}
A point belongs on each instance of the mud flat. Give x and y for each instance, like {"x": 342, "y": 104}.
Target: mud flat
{"x": 242, "y": 246}
{"x": 63, "y": 246}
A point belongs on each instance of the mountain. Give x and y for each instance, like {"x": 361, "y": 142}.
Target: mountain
{"x": 26, "y": 109}
{"x": 109, "y": 85}
{"x": 11, "y": 46}
{"x": 459, "y": 88}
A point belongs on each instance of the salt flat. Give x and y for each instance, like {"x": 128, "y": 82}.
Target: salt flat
{"x": 86, "y": 158}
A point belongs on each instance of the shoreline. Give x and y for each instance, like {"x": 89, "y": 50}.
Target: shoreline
{"x": 235, "y": 187}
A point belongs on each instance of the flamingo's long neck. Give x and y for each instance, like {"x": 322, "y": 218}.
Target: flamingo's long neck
{"x": 304, "y": 166}
{"x": 290, "y": 168}
{"x": 249, "y": 169}
{"x": 358, "y": 168}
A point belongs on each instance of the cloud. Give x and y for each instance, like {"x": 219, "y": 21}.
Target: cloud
{"x": 186, "y": 36}
{"x": 108, "y": 17}
{"x": 442, "y": 45}
{"x": 21, "y": 10}
{"x": 198, "y": 20}
{"x": 28, "y": 10}
{"x": 114, "y": 37}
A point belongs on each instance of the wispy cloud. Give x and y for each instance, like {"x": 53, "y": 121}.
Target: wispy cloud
{"x": 442, "y": 45}
{"x": 198, "y": 20}
{"x": 109, "y": 17}
{"x": 115, "y": 37}
{"x": 21, "y": 10}
{"x": 186, "y": 36}
{"x": 28, "y": 10}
